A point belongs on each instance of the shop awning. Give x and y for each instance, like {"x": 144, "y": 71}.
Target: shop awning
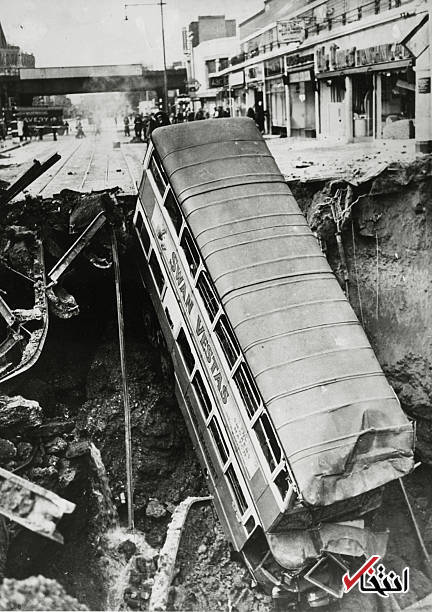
{"x": 383, "y": 67}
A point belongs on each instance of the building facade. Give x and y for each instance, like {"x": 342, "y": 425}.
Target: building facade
{"x": 12, "y": 58}
{"x": 332, "y": 69}
{"x": 208, "y": 43}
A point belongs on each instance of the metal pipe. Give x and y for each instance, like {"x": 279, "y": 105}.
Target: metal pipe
{"x": 127, "y": 418}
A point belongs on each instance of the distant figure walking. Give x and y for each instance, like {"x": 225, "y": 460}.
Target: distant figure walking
{"x": 80, "y": 131}
{"x": 138, "y": 126}
{"x": 126, "y": 126}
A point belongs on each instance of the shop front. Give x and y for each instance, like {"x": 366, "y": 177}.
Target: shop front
{"x": 275, "y": 96}
{"x": 236, "y": 82}
{"x": 255, "y": 95}
{"x": 366, "y": 93}
{"x": 300, "y": 95}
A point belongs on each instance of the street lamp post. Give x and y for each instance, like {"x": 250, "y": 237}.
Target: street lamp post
{"x": 161, "y": 4}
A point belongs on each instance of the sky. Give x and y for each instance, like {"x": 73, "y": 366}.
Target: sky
{"x": 93, "y": 32}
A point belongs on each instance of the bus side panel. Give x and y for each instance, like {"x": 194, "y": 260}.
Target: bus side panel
{"x": 208, "y": 459}
{"x": 218, "y": 487}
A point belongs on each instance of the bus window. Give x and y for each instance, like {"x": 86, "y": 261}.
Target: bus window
{"x": 247, "y": 389}
{"x": 250, "y": 524}
{"x": 157, "y": 272}
{"x": 282, "y": 482}
{"x": 185, "y": 350}
{"x": 227, "y": 340}
{"x": 190, "y": 251}
{"x": 217, "y": 438}
{"x": 235, "y": 485}
{"x": 208, "y": 294}
{"x": 158, "y": 173}
{"x": 268, "y": 442}
{"x": 142, "y": 231}
{"x": 201, "y": 391}
{"x": 173, "y": 209}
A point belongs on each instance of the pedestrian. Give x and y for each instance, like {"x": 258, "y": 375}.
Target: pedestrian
{"x": 227, "y": 112}
{"x": 80, "y": 131}
{"x": 180, "y": 116}
{"x": 251, "y": 113}
{"x": 200, "y": 114}
{"x": 138, "y": 126}
{"x": 260, "y": 117}
{"x": 20, "y": 127}
{"x": 26, "y": 129}
{"x": 190, "y": 115}
{"x": 126, "y": 126}
{"x": 66, "y": 127}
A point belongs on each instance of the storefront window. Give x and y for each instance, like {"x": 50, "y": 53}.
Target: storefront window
{"x": 398, "y": 103}
{"x": 302, "y": 97}
{"x": 273, "y": 67}
{"x": 363, "y": 105}
{"x": 276, "y": 104}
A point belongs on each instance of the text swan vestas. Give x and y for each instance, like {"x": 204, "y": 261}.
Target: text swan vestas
{"x": 207, "y": 350}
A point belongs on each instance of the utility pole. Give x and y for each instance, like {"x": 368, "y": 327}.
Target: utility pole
{"x": 161, "y": 4}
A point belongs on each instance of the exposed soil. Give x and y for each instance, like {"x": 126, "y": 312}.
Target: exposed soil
{"x": 73, "y": 397}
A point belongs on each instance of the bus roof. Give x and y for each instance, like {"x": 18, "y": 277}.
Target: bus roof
{"x": 336, "y": 416}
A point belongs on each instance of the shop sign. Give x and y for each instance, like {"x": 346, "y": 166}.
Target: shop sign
{"x": 334, "y": 58}
{"x": 424, "y": 85}
{"x": 380, "y": 53}
{"x": 298, "y": 60}
{"x": 291, "y": 30}
{"x": 299, "y": 77}
{"x": 254, "y": 73}
{"x": 217, "y": 82}
{"x": 236, "y": 78}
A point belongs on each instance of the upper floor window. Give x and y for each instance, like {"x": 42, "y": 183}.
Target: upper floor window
{"x": 223, "y": 63}
{"x": 227, "y": 340}
{"x": 174, "y": 211}
{"x": 236, "y": 488}
{"x": 247, "y": 388}
{"x": 157, "y": 271}
{"x": 142, "y": 232}
{"x": 158, "y": 173}
{"x": 185, "y": 350}
{"x": 201, "y": 392}
{"x": 211, "y": 66}
{"x": 267, "y": 438}
{"x": 208, "y": 294}
{"x": 190, "y": 250}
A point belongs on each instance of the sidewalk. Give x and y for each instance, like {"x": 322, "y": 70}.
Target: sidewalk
{"x": 309, "y": 159}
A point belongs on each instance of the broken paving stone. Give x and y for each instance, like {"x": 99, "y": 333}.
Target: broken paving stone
{"x": 202, "y": 549}
{"x": 7, "y": 450}
{"x": 19, "y": 413}
{"x": 155, "y": 509}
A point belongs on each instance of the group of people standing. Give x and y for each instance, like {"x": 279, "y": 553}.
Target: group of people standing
{"x": 143, "y": 125}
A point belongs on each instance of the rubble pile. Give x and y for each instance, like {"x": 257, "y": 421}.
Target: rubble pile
{"x": 36, "y": 593}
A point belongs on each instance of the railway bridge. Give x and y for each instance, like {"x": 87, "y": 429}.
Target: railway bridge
{"x": 31, "y": 82}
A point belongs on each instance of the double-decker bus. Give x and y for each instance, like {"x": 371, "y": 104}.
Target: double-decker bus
{"x": 292, "y": 418}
